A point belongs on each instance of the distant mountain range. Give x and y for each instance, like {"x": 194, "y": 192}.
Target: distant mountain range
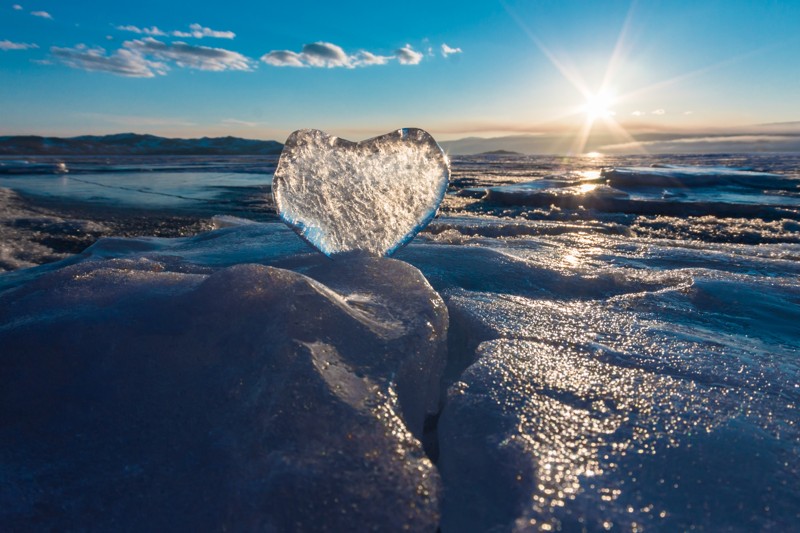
{"x": 775, "y": 137}
{"x": 782, "y": 137}
{"x": 134, "y": 144}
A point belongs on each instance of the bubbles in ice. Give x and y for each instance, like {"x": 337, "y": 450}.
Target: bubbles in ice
{"x": 370, "y": 196}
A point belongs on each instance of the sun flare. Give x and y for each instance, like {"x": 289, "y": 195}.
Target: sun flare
{"x": 599, "y": 105}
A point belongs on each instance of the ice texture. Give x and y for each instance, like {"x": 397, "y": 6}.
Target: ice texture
{"x": 370, "y": 196}
{"x": 664, "y": 175}
{"x": 28, "y": 236}
{"x": 583, "y": 415}
{"x": 616, "y": 383}
{"x": 594, "y": 379}
{"x": 604, "y": 370}
{"x": 670, "y": 190}
{"x": 138, "y": 394}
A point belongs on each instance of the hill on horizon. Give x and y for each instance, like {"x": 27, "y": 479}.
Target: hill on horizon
{"x": 778, "y": 137}
{"x": 134, "y": 144}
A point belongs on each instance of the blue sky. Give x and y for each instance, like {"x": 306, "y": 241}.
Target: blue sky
{"x": 358, "y": 69}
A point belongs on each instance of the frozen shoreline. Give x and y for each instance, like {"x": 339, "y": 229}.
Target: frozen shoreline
{"x": 36, "y": 230}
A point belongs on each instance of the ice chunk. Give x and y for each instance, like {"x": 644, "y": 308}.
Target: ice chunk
{"x": 371, "y": 196}
{"x": 589, "y": 195}
{"x": 687, "y": 176}
{"x": 249, "y": 398}
{"x": 670, "y": 191}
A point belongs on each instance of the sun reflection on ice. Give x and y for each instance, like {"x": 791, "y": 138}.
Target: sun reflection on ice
{"x": 572, "y": 259}
{"x": 590, "y": 175}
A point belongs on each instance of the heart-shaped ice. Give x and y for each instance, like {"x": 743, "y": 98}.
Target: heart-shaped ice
{"x": 371, "y": 196}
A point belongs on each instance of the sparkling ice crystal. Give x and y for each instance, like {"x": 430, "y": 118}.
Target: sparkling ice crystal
{"x": 371, "y": 196}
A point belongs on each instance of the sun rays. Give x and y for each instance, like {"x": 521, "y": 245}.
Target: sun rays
{"x": 599, "y": 105}
{"x": 597, "y": 102}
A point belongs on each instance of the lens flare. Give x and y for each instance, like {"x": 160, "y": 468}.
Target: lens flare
{"x": 599, "y": 105}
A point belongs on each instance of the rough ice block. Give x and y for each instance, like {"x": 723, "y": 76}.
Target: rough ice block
{"x": 372, "y": 196}
{"x": 247, "y": 398}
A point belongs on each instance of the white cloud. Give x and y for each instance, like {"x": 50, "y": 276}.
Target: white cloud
{"x": 325, "y": 55}
{"x": 42, "y": 14}
{"x": 8, "y": 45}
{"x": 688, "y": 112}
{"x": 190, "y": 56}
{"x": 659, "y": 112}
{"x": 147, "y": 58}
{"x": 195, "y": 31}
{"x": 364, "y": 59}
{"x": 638, "y": 113}
{"x": 283, "y": 58}
{"x": 123, "y": 62}
{"x": 153, "y": 30}
{"x": 446, "y": 50}
{"x": 16, "y": 7}
{"x": 198, "y": 32}
{"x": 322, "y": 54}
{"x": 408, "y": 56}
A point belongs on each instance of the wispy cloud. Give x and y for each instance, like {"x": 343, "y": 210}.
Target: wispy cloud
{"x": 148, "y": 57}
{"x": 16, "y": 7}
{"x": 447, "y": 51}
{"x": 322, "y": 54}
{"x": 638, "y": 113}
{"x": 408, "y": 56}
{"x": 153, "y": 30}
{"x": 190, "y": 56}
{"x": 196, "y": 31}
{"x": 8, "y": 45}
{"x": 658, "y": 112}
{"x": 237, "y": 122}
{"x": 123, "y": 62}
{"x": 42, "y": 14}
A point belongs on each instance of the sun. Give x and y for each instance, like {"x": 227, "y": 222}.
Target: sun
{"x": 599, "y": 105}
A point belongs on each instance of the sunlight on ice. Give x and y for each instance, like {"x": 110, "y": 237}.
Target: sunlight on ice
{"x": 372, "y": 196}
{"x": 572, "y": 259}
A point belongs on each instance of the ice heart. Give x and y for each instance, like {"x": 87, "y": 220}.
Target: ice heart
{"x": 371, "y": 196}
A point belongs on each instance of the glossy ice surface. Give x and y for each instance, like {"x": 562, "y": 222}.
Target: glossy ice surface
{"x": 371, "y": 196}
{"x": 622, "y": 353}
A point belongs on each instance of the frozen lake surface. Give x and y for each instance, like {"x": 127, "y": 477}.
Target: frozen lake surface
{"x": 566, "y": 346}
